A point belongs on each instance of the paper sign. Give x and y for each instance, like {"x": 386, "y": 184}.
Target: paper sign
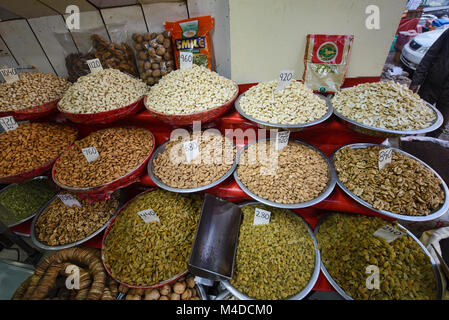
{"x": 94, "y": 65}
{"x": 285, "y": 76}
{"x": 261, "y": 216}
{"x": 69, "y": 200}
{"x": 389, "y": 234}
{"x": 282, "y": 139}
{"x": 148, "y": 215}
{"x": 8, "y": 123}
{"x": 91, "y": 154}
{"x": 10, "y": 75}
{"x": 185, "y": 59}
{"x": 191, "y": 149}
{"x": 385, "y": 156}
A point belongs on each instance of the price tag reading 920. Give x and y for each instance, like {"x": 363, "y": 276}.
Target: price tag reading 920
{"x": 285, "y": 76}
{"x": 69, "y": 200}
{"x": 91, "y": 154}
{"x": 8, "y": 123}
{"x": 148, "y": 215}
{"x": 191, "y": 150}
{"x": 9, "y": 74}
{"x": 261, "y": 216}
{"x": 385, "y": 156}
{"x": 185, "y": 60}
{"x": 282, "y": 139}
{"x": 94, "y": 65}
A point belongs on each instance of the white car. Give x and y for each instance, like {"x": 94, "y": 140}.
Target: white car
{"x": 413, "y": 52}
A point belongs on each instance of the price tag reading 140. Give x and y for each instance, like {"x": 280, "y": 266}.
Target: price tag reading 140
{"x": 8, "y": 123}
{"x": 261, "y": 216}
{"x": 94, "y": 65}
{"x": 90, "y": 153}
{"x": 285, "y": 76}
{"x": 185, "y": 60}
{"x": 385, "y": 156}
{"x": 148, "y": 215}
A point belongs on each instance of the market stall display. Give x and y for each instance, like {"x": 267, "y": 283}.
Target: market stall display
{"x": 184, "y": 288}
{"x": 295, "y": 177}
{"x": 349, "y": 246}
{"x": 148, "y": 243}
{"x": 49, "y": 279}
{"x": 63, "y": 224}
{"x": 190, "y": 94}
{"x": 102, "y": 97}
{"x": 215, "y": 162}
{"x": 154, "y": 55}
{"x": 31, "y": 149}
{"x": 406, "y": 188}
{"x": 24, "y": 200}
{"x": 33, "y": 96}
{"x": 278, "y": 260}
{"x": 385, "y": 109}
{"x": 293, "y": 108}
{"x": 122, "y": 153}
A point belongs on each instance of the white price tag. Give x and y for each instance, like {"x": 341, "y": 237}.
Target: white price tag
{"x": 385, "y": 156}
{"x": 94, "y": 65}
{"x": 285, "y": 76}
{"x": 388, "y": 233}
{"x": 8, "y": 123}
{"x": 148, "y": 215}
{"x": 91, "y": 154}
{"x": 185, "y": 60}
{"x": 69, "y": 200}
{"x": 10, "y": 75}
{"x": 282, "y": 139}
{"x": 261, "y": 216}
{"x": 191, "y": 149}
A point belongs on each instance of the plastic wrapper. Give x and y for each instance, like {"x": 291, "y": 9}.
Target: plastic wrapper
{"x": 326, "y": 61}
{"x": 192, "y": 35}
{"x": 154, "y": 55}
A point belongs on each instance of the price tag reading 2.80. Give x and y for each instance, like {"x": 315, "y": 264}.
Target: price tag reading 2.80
{"x": 91, "y": 154}
{"x": 261, "y": 216}
{"x": 185, "y": 59}
{"x": 385, "y": 156}
{"x": 285, "y": 76}
{"x": 148, "y": 215}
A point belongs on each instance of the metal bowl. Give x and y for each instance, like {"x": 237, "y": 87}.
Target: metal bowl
{"x": 324, "y": 194}
{"x": 389, "y": 133}
{"x": 337, "y": 288}
{"x": 33, "y": 214}
{"x": 289, "y": 127}
{"x": 305, "y": 291}
{"x": 68, "y": 245}
{"x": 433, "y": 215}
{"x": 160, "y": 184}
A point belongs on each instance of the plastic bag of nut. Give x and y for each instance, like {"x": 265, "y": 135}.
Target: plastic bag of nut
{"x": 154, "y": 55}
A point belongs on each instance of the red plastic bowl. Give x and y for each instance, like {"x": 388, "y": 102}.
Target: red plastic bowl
{"x": 187, "y": 119}
{"x": 104, "y": 117}
{"x": 108, "y": 228}
{"x": 102, "y": 192}
{"x": 36, "y": 112}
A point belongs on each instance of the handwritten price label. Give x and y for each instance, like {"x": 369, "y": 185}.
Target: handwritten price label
{"x": 148, "y": 215}
{"x": 385, "y": 156}
{"x": 94, "y": 65}
{"x": 389, "y": 234}
{"x": 191, "y": 150}
{"x": 9, "y": 74}
{"x": 8, "y": 123}
{"x": 69, "y": 200}
{"x": 282, "y": 139}
{"x": 285, "y": 76}
{"x": 261, "y": 216}
{"x": 185, "y": 59}
{"x": 90, "y": 153}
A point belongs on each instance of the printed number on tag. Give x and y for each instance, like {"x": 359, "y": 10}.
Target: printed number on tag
{"x": 261, "y": 216}
{"x": 285, "y": 76}
{"x": 191, "y": 149}
{"x": 389, "y": 234}
{"x": 10, "y": 75}
{"x": 8, "y": 123}
{"x": 69, "y": 200}
{"x": 94, "y": 65}
{"x": 148, "y": 215}
{"x": 185, "y": 59}
{"x": 385, "y": 156}
{"x": 91, "y": 154}
{"x": 282, "y": 139}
